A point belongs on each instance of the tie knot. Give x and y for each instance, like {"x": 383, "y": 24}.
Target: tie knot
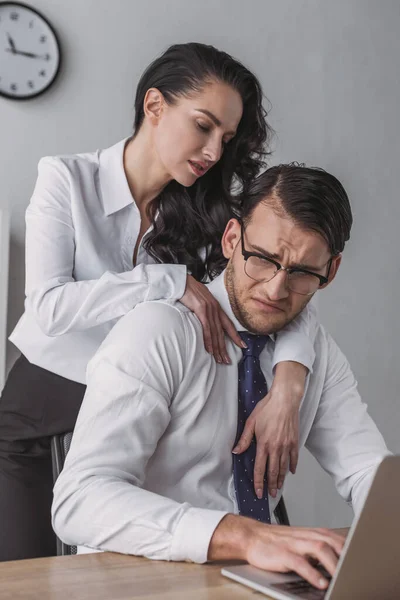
{"x": 255, "y": 343}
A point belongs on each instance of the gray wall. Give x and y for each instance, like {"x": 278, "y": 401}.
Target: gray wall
{"x": 331, "y": 72}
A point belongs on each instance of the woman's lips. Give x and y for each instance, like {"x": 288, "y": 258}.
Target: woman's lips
{"x": 197, "y": 169}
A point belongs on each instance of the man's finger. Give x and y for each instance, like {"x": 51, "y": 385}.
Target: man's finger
{"x": 323, "y": 552}
{"x": 302, "y": 567}
{"x": 331, "y": 537}
{"x": 334, "y": 539}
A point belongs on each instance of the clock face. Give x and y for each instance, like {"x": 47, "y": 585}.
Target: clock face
{"x": 29, "y": 52}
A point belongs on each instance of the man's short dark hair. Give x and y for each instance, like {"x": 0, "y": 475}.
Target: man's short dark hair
{"x": 311, "y": 197}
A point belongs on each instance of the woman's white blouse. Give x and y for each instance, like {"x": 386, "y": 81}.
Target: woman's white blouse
{"x": 81, "y": 230}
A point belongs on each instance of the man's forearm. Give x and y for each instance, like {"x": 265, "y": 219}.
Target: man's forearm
{"x": 230, "y": 538}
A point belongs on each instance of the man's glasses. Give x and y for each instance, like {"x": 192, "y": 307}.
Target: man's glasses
{"x": 260, "y": 268}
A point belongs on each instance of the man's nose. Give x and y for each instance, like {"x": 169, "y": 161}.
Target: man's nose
{"x": 277, "y": 288}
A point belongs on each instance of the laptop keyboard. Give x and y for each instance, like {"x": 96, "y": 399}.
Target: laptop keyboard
{"x": 300, "y": 588}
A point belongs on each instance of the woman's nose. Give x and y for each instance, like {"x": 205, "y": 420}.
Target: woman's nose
{"x": 213, "y": 151}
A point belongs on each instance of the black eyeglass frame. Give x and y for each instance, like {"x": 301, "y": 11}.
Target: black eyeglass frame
{"x": 246, "y": 255}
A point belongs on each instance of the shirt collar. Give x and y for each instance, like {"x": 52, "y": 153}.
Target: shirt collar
{"x": 113, "y": 183}
{"x": 218, "y": 289}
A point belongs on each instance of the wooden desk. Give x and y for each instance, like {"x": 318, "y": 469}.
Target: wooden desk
{"x": 109, "y": 576}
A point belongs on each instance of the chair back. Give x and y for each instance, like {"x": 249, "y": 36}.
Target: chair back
{"x": 60, "y": 445}
{"x": 280, "y": 513}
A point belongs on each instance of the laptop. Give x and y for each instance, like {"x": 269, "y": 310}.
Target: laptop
{"x": 369, "y": 566}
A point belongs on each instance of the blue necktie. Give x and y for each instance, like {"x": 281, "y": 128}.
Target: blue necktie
{"x": 252, "y": 388}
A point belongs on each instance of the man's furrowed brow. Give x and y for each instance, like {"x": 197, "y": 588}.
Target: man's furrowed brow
{"x": 274, "y": 256}
{"x": 265, "y": 252}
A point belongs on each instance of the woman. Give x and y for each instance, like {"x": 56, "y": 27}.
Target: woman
{"x": 139, "y": 221}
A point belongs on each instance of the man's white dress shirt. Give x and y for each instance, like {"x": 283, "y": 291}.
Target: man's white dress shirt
{"x": 82, "y": 227}
{"x": 149, "y": 471}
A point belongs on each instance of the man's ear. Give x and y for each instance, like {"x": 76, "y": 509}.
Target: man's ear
{"x": 336, "y": 260}
{"x": 153, "y": 105}
{"x": 230, "y": 238}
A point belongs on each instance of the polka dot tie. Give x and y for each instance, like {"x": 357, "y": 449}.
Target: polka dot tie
{"x": 252, "y": 388}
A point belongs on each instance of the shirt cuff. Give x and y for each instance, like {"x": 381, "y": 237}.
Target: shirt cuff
{"x": 193, "y": 534}
{"x": 166, "y": 282}
{"x": 295, "y": 347}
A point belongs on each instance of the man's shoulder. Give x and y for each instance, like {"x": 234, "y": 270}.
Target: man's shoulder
{"x": 321, "y": 336}
{"x": 329, "y": 356}
{"x": 170, "y": 312}
{"x": 325, "y": 340}
{"x": 155, "y": 335}
{"x": 153, "y": 319}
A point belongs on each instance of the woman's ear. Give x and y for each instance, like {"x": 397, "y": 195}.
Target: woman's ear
{"x": 153, "y": 105}
{"x": 230, "y": 238}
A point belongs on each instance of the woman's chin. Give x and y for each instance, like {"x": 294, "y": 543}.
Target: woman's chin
{"x": 186, "y": 176}
{"x": 186, "y": 181}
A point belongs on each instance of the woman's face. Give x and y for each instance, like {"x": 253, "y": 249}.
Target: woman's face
{"x": 190, "y": 135}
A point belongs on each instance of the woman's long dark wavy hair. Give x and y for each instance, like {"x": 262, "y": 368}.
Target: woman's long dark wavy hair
{"x": 193, "y": 218}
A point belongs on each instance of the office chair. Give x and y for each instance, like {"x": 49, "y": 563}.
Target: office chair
{"x": 280, "y": 513}
{"x": 59, "y": 449}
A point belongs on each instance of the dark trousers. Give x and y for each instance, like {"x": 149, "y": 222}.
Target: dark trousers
{"x": 35, "y": 405}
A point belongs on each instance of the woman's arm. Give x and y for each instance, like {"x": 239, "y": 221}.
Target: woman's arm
{"x": 59, "y": 303}
{"x": 295, "y": 342}
{"x": 275, "y": 420}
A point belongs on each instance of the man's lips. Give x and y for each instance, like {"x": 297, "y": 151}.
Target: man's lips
{"x": 199, "y": 168}
{"x": 267, "y": 306}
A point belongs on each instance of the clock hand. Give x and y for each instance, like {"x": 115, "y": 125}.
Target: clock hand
{"x": 29, "y": 54}
{"x": 11, "y": 42}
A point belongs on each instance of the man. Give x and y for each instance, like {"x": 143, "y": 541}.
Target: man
{"x": 151, "y": 471}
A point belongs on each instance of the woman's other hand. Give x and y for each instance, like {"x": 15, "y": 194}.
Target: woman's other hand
{"x": 275, "y": 423}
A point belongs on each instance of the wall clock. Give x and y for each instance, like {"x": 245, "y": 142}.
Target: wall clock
{"x": 29, "y": 52}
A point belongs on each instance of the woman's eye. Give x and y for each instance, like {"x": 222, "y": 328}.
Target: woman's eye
{"x": 203, "y": 127}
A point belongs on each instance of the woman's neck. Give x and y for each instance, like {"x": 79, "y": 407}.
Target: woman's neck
{"x": 145, "y": 175}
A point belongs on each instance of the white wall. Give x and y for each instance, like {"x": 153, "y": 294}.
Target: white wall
{"x": 4, "y": 260}
{"x": 330, "y": 70}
